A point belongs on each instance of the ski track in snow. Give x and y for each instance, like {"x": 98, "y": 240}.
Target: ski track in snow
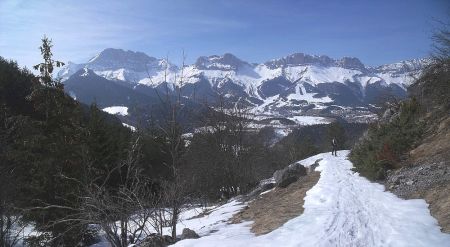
{"x": 342, "y": 209}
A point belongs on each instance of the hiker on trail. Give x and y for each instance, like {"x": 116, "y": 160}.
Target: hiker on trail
{"x": 334, "y": 144}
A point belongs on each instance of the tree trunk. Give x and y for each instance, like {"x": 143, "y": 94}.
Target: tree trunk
{"x": 174, "y": 222}
{"x": 123, "y": 233}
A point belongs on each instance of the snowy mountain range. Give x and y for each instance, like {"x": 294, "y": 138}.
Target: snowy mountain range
{"x": 298, "y": 84}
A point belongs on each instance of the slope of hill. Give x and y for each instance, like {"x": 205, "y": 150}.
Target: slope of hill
{"x": 409, "y": 148}
{"x": 425, "y": 173}
{"x": 88, "y": 87}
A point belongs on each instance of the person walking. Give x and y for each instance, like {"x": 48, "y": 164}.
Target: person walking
{"x": 334, "y": 144}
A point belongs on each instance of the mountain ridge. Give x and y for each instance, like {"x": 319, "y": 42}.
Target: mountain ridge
{"x": 204, "y": 62}
{"x": 297, "y": 84}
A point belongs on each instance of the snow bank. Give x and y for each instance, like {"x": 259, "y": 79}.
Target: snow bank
{"x": 342, "y": 209}
{"x": 116, "y": 110}
{"x": 213, "y": 222}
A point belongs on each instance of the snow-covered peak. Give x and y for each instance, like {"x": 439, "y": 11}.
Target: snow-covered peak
{"x": 117, "y": 58}
{"x": 69, "y": 69}
{"x": 225, "y": 62}
{"x": 404, "y": 66}
{"x": 292, "y": 85}
{"x": 295, "y": 85}
{"x": 121, "y": 65}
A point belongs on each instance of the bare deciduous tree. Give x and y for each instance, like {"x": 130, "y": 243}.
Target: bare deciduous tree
{"x": 126, "y": 212}
{"x": 11, "y": 225}
{"x": 171, "y": 128}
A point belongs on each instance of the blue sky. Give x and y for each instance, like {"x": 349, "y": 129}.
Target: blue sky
{"x": 375, "y": 31}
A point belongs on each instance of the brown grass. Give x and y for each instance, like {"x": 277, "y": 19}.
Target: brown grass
{"x": 272, "y": 209}
{"x": 435, "y": 148}
{"x": 439, "y": 200}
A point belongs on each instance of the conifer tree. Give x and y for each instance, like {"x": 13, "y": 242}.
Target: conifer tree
{"x": 46, "y": 68}
{"x": 41, "y": 96}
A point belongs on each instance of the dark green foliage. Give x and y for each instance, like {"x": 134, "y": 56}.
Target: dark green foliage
{"x": 336, "y": 130}
{"x": 212, "y": 163}
{"x": 296, "y": 146}
{"x": 40, "y": 147}
{"x": 51, "y": 146}
{"x": 309, "y": 140}
{"x": 15, "y": 85}
{"x": 384, "y": 145}
{"x": 154, "y": 156}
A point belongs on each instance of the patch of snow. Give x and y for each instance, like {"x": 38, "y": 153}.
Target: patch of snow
{"x": 214, "y": 221}
{"x": 282, "y": 132}
{"x": 73, "y": 95}
{"x": 302, "y": 94}
{"x": 309, "y": 120}
{"x": 132, "y": 128}
{"x": 116, "y": 110}
{"x": 267, "y": 191}
{"x": 85, "y": 72}
{"x": 319, "y": 74}
{"x": 187, "y": 135}
{"x": 94, "y": 58}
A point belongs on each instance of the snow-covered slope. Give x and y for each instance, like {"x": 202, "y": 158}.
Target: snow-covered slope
{"x": 342, "y": 209}
{"x": 116, "y": 110}
{"x": 117, "y": 64}
{"x": 298, "y": 84}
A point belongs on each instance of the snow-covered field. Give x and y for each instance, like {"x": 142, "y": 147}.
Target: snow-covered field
{"x": 342, "y": 209}
{"x": 116, "y": 110}
{"x": 309, "y": 120}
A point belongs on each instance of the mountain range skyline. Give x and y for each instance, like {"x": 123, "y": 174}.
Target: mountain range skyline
{"x": 245, "y": 60}
{"x": 377, "y": 32}
{"x": 296, "y": 84}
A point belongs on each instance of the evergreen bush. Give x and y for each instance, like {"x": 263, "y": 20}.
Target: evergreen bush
{"x": 385, "y": 144}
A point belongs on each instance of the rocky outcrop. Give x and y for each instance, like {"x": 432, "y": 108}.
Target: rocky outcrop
{"x": 288, "y": 175}
{"x": 313, "y": 167}
{"x": 264, "y": 185}
{"x": 189, "y": 234}
{"x": 155, "y": 240}
{"x": 225, "y": 62}
{"x": 391, "y": 113}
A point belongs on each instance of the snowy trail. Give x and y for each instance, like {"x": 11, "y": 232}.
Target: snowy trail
{"x": 342, "y": 209}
